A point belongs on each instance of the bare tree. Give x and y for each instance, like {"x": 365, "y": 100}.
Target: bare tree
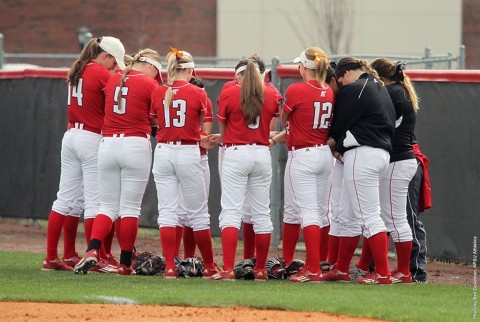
{"x": 328, "y": 24}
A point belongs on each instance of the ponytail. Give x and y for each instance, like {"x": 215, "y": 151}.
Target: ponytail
{"x": 366, "y": 66}
{"x": 172, "y": 65}
{"x": 321, "y": 68}
{"x": 251, "y": 93}
{"x": 91, "y": 51}
{"x": 124, "y": 78}
{"x": 394, "y": 73}
{"x": 407, "y": 84}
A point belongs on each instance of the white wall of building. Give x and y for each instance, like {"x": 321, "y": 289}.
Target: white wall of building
{"x": 386, "y": 27}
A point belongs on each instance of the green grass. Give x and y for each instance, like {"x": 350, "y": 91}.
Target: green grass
{"x": 22, "y": 280}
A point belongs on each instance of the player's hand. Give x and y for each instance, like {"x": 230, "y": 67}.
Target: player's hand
{"x": 205, "y": 141}
{"x": 273, "y": 134}
{"x": 216, "y": 139}
{"x": 331, "y": 143}
{"x": 338, "y": 156}
{"x": 271, "y": 143}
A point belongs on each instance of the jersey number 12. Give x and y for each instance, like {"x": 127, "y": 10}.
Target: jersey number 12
{"x": 323, "y": 112}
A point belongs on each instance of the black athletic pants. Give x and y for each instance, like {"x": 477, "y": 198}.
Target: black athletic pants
{"x": 418, "y": 258}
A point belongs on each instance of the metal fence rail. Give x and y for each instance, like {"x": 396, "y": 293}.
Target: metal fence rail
{"x": 427, "y": 61}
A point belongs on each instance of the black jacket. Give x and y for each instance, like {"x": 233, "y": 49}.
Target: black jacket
{"x": 364, "y": 112}
{"x": 405, "y": 123}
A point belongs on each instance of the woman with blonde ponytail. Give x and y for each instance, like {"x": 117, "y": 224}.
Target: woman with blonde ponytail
{"x": 403, "y": 164}
{"x": 124, "y": 158}
{"x": 244, "y": 114}
{"x": 306, "y": 115}
{"x": 180, "y": 108}
{"x": 86, "y": 81}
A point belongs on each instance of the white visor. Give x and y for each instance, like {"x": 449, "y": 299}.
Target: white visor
{"x": 153, "y": 62}
{"x": 307, "y": 63}
{"x": 186, "y": 65}
{"x": 242, "y": 68}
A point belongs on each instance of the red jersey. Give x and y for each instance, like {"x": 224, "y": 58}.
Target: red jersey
{"x": 277, "y": 93}
{"x": 208, "y": 119}
{"x": 132, "y": 115}
{"x": 237, "y": 131}
{"x": 229, "y": 84}
{"x": 180, "y": 120}
{"x": 234, "y": 82}
{"x": 86, "y": 101}
{"x": 310, "y": 108}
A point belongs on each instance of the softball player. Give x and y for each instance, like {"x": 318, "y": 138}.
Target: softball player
{"x": 188, "y": 236}
{"x": 403, "y": 164}
{"x": 180, "y": 108}
{"x": 124, "y": 157}
{"x": 291, "y": 216}
{"x": 244, "y": 115}
{"x": 362, "y": 130}
{"x": 306, "y": 115}
{"x": 248, "y": 233}
{"x": 86, "y": 81}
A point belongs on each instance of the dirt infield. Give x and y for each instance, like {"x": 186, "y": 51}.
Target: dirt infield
{"x": 48, "y": 312}
{"x": 33, "y": 239}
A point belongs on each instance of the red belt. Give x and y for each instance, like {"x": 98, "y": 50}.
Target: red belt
{"x": 228, "y": 145}
{"x": 121, "y": 135}
{"x": 298, "y": 147}
{"x": 82, "y": 126}
{"x": 181, "y": 142}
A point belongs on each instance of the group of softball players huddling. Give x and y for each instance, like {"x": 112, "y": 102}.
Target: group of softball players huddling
{"x": 348, "y": 128}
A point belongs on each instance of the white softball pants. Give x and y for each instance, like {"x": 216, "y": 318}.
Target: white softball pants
{"x": 309, "y": 170}
{"x": 393, "y": 198}
{"x": 179, "y": 168}
{"x": 363, "y": 168}
{"x": 79, "y": 164}
{"x": 123, "y": 170}
{"x": 246, "y": 208}
{"x": 246, "y": 173}
{"x": 182, "y": 212}
{"x": 337, "y": 207}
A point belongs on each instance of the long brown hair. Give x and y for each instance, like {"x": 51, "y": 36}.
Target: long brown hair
{"x": 251, "y": 93}
{"x": 387, "y": 69}
{"x": 91, "y": 51}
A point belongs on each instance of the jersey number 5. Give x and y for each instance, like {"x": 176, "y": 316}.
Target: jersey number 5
{"x": 181, "y": 108}
{"x": 323, "y": 113}
{"x": 76, "y": 91}
{"x": 122, "y": 107}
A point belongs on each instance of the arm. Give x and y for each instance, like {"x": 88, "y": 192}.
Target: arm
{"x": 284, "y": 118}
